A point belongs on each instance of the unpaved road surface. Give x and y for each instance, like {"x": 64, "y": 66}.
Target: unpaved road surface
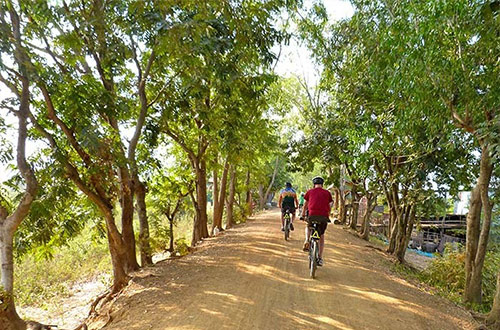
{"x": 250, "y": 278}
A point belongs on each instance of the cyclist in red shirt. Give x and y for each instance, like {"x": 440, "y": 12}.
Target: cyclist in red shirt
{"x": 318, "y": 205}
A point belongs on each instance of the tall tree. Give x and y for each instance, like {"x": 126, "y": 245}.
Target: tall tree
{"x": 231, "y": 197}
{"x": 85, "y": 103}
{"x": 11, "y": 219}
{"x": 225, "y": 50}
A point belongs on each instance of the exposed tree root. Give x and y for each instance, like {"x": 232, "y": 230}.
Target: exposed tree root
{"x": 82, "y": 326}
{"x": 375, "y": 248}
{"x": 93, "y": 306}
{"x": 32, "y": 325}
{"x": 109, "y": 319}
{"x": 101, "y": 301}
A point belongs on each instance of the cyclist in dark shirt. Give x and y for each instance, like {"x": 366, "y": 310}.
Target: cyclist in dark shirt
{"x": 318, "y": 205}
{"x": 288, "y": 200}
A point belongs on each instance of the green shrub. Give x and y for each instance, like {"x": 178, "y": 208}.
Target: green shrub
{"x": 160, "y": 237}
{"x": 181, "y": 246}
{"x": 239, "y": 213}
{"x": 378, "y": 240}
{"x": 447, "y": 274}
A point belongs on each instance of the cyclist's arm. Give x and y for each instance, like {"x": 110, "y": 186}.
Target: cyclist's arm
{"x": 296, "y": 202}
{"x": 281, "y": 199}
{"x": 330, "y": 204}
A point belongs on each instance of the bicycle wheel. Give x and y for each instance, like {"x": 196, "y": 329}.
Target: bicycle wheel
{"x": 287, "y": 227}
{"x": 313, "y": 252}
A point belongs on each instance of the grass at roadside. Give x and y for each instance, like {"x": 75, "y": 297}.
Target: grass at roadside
{"x": 446, "y": 277}
{"x": 41, "y": 281}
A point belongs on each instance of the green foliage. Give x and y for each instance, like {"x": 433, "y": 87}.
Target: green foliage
{"x": 6, "y": 151}
{"x": 239, "y": 213}
{"x": 57, "y": 215}
{"x": 447, "y": 274}
{"x": 182, "y": 246}
{"x": 5, "y": 298}
{"x": 159, "y": 236}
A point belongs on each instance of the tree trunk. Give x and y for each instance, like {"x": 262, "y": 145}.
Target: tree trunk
{"x": 477, "y": 235}
{"x": 9, "y": 319}
{"x": 371, "y": 203}
{"x": 336, "y": 199}
{"x": 118, "y": 252}
{"x": 8, "y": 315}
{"x": 127, "y": 218}
{"x": 215, "y": 197}
{"x": 249, "y": 195}
{"x": 388, "y": 196}
{"x": 342, "y": 209}
{"x": 404, "y": 234}
{"x": 196, "y": 227}
{"x": 139, "y": 187}
{"x": 144, "y": 246}
{"x": 119, "y": 262}
{"x": 395, "y": 217}
{"x": 493, "y": 320}
{"x": 268, "y": 191}
{"x": 230, "y": 201}
{"x": 355, "y": 209}
{"x": 262, "y": 198}
{"x": 218, "y": 213}
{"x": 171, "y": 235}
{"x": 200, "y": 229}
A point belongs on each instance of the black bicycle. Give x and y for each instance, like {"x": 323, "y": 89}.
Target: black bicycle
{"x": 313, "y": 248}
{"x": 288, "y": 220}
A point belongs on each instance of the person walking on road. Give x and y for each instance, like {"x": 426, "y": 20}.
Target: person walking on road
{"x": 301, "y": 201}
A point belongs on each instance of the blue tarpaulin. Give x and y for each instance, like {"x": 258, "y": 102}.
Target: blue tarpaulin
{"x": 422, "y": 253}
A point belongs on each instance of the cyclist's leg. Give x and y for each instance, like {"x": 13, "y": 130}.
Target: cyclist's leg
{"x": 282, "y": 217}
{"x": 306, "y": 237}
{"x": 322, "y": 230}
{"x": 321, "y": 245}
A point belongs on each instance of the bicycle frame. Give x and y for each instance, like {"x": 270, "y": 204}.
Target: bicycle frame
{"x": 314, "y": 238}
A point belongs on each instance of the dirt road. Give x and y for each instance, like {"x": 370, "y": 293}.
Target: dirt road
{"x": 250, "y": 278}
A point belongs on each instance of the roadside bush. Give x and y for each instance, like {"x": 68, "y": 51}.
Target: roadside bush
{"x": 239, "y": 213}
{"x": 160, "y": 237}
{"x": 181, "y": 246}
{"x": 447, "y": 274}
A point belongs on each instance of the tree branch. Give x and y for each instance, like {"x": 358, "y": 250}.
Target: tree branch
{"x": 67, "y": 131}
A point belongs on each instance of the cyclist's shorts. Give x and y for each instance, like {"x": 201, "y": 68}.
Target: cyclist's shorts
{"x": 323, "y": 222}
{"x": 284, "y": 208}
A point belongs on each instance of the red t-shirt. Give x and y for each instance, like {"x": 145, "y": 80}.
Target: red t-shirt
{"x": 319, "y": 200}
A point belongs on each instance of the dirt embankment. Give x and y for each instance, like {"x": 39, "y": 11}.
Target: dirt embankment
{"x": 250, "y": 278}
